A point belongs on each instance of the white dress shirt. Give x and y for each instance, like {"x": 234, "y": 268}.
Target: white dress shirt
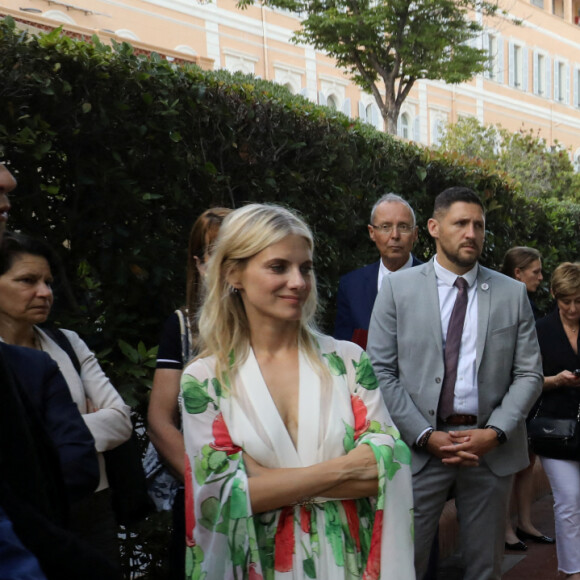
{"x": 465, "y": 401}
{"x": 384, "y": 271}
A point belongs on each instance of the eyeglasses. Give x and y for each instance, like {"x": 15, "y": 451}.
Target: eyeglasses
{"x": 403, "y": 229}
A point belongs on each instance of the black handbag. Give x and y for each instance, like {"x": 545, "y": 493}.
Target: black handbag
{"x": 555, "y": 437}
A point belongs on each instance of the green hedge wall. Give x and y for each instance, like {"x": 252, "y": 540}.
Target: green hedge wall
{"x": 116, "y": 155}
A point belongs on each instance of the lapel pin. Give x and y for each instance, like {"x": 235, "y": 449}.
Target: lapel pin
{"x": 485, "y": 286}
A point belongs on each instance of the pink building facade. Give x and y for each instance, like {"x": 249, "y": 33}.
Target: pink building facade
{"x": 533, "y": 83}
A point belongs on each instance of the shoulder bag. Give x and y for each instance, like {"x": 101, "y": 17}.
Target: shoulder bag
{"x": 555, "y": 437}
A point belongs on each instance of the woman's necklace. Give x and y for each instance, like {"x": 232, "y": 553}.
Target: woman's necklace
{"x": 570, "y": 329}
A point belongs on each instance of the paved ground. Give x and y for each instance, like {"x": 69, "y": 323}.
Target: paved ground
{"x": 537, "y": 563}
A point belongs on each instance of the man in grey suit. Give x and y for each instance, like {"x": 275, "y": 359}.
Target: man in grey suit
{"x": 454, "y": 348}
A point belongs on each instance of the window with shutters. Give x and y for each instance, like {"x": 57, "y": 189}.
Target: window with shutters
{"x": 518, "y": 66}
{"x": 561, "y": 82}
{"x": 541, "y": 74}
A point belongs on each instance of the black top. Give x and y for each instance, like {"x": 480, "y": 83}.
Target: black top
{"x": 557, "y": 355}
{"x": 169, "y": 355}
{"x": 535, "y": 310}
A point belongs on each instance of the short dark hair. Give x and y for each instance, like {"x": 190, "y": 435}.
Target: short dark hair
{"x": 14, "y": 245}
{"x": 453, "y": 195}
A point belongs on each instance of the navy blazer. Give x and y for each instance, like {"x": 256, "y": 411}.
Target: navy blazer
{"x": 356, "y": 296}
{"x": 40, "y": 379}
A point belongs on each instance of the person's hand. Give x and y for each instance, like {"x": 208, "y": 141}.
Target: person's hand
{"x": 91, "y": 407}
{"x": 450, "y": 450}
{"x": 361, "y": 463}
{"x": 566, "y": 379}
{"x": 472, "y": 443}
{"x": 253, "y": 468}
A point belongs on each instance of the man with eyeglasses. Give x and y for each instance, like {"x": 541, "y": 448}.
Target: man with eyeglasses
{"x": 394, "y": 232}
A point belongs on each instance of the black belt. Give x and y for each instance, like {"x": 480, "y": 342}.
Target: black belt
{"x": 455, "y": 420}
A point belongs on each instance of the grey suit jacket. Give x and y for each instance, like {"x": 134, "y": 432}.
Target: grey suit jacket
{"x": 405, "y": 347}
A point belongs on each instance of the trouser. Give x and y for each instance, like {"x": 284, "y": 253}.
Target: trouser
{"x": 481, "y": 500}
{"x": 564, "y": 479}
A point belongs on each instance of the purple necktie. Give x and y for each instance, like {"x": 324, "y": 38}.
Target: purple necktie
{"x": 452, "y": 347}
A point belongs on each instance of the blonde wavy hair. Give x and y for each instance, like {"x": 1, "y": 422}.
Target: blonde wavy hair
{"x": 224, "y": 331}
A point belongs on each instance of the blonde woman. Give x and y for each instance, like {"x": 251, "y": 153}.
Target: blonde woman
{"x": 293, "y": 466}
{"x": 559, "y": 338}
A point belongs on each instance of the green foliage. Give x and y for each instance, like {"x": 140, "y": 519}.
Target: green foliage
{"x": 117, "y": 154}
{"x": 524, "y": 156}
{"x": 390, "y": 44}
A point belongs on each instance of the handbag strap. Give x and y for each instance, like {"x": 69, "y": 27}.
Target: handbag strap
{"x": 540, "y": 405}
{"x": 185, "y": 332}
{"x": 61, "y": 339}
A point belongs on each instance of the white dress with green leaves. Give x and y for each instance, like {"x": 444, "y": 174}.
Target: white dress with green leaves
{"x": 327, "y": 539}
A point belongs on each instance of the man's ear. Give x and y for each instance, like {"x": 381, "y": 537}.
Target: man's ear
{"x": 371, "y": 232}
{"x": 433, "y": 227}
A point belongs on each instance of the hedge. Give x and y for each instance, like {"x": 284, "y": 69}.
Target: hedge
{"x": 117, "y": 154}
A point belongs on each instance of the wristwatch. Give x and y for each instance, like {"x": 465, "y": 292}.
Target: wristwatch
{"x": 501, "y": 437}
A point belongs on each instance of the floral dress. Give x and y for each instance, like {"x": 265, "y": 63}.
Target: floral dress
{"x": 329, "y": 539}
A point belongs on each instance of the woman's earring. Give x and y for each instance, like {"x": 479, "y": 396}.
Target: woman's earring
{"x": 234, "y": 290}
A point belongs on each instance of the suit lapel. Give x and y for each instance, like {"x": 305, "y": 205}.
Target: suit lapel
{"x": 432, "y": 307}
{"x": 483, "y": 311}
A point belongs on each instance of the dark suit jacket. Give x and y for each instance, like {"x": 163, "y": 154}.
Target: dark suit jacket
{"x": 356, "y": 296}
{"x": 40, "y": 430}
{"x": 39, "y": 377}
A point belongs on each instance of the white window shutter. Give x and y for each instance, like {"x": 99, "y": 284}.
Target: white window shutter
{"x": 375, "y": 116}
{"x": 567, "y": 95}
{"x": 399, "y": 126}
{"x": 489, "y": 56}
{"x": 535, "y": 69}
{"x": 362, "y": 112}
{"x": 556, "y": 80}
{"x": 525, "y": 71}
{"x": 576, "y": 87}
{"x": 511, "y": 71}
{"x": 500, "y": 62}
{"x": 417, "y": 128}
{"x": 549, "y": 91}
{"x": 346, "y": 108}
{"x": 321, "y": 98}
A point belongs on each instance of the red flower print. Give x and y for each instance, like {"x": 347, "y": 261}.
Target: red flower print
{"x": 349, "y": 506}
{"x": 373, "y": 567}
{"x": 222, "y": 439}
{"x": 359, "y": 410}
{"x": 305, "y": 515}
{"x": 189, "y": 506}
{"x": 284, "y": 541}
{"x": 253, "y": 574}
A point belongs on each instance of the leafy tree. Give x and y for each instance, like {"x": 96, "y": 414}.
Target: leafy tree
{"x": 537, "y": 169}
{"x": 387, "y": 45}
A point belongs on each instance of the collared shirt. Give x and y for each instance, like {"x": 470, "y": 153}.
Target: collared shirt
{"x": 465, "y": 401}
{"x": 384, "y": 271}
